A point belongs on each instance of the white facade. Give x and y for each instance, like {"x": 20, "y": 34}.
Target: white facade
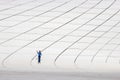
{"x": 75, "y": 34}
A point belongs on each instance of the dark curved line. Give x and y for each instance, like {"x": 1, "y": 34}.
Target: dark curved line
{"x": 109, "y": 55}
{"x": 29, "y": 18}
{"x": 96, "y": 28}
{"x": 26, "y": 10}
{"x": 36, "y": 38}
{"x": 17, "y": 5}
{"x": 36, "y": 26}
{"x": 105, "y": 43}
{"x": 76, "y": 29}
{"x": 61, "y": 26}
{"x": 102, "y": 34}
{"x": 83, "y": 36}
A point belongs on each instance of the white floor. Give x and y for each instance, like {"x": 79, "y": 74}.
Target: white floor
{"x": 58, "y": 76}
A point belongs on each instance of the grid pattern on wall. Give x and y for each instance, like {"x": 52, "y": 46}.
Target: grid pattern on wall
{"x": 67, "y": 32}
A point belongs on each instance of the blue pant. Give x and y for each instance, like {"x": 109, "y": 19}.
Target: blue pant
{"x": 39, "y": 59}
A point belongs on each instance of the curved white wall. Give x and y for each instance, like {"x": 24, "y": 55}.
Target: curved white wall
{"x": 73, "y": 34}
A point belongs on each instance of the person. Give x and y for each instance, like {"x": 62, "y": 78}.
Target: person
{"x": 39, "y": 56}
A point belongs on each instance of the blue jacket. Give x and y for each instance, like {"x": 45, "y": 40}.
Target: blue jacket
{"x": 39, "y": 53}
